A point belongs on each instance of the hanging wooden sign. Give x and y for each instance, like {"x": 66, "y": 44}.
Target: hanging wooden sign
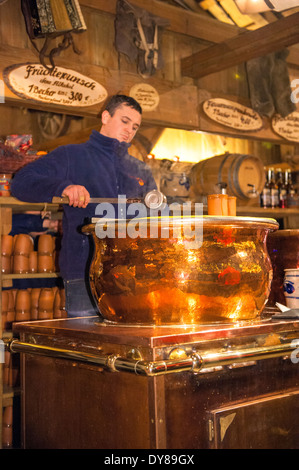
{"x": 59, "y": 86}
{"x": 146, "y": 95}
{"x": 287, "y": 127}
{"x": 232, "y": 114}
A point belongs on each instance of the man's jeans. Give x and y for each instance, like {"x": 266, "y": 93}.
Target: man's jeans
{"x": 78, "y": 299}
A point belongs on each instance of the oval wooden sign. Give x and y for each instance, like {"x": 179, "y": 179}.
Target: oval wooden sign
{"x": 60, "y": 86}
{"x": 287, "y": 127}
{"x": 146, "y": 95}
{"x": 231, "y": 114}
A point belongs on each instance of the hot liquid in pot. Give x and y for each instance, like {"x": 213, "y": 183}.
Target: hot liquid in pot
{"x": 161, "y": 281}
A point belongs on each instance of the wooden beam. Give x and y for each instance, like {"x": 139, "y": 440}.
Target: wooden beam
{"x": 246, "y": 46}
{"x": 181, "y": 21}
{"x": 196, "y": 25}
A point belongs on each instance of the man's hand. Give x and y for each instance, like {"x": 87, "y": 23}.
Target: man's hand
{"x": 78, "y": 195}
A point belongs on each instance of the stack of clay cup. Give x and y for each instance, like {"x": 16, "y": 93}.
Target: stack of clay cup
{"x": 6, "y": 253}
{"x": 22, "y": 249}
{"x": 48, "y": 304}
{"x": 18, "y": 255}
{"x": 11, "y": 369}
{"x": 45, "y": 254}
{"x": 8, "y": 308}
{"x": 22, "y": 305}
{"x": 37, "y": 303}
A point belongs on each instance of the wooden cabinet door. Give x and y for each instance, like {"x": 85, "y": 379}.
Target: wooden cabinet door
{"x": 265, "y": 423}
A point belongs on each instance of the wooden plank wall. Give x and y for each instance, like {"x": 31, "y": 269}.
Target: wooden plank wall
{"x": 180, "y": 97}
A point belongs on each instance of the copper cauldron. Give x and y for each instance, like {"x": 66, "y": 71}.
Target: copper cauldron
{"x": 165, "y": 280}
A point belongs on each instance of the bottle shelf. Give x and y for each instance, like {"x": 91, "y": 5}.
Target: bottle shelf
{"x": 13, "y": 203}
{"x": 256, "y": 211}
{"x": 275, "y": 213}
{"x": 7, "y": 279}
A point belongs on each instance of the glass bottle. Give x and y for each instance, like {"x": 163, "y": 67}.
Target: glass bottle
{"x": 289, "y": 188}
{"x": 265, "y": 194}
{"x": 273, "y": 189}
{"x": 282, "y": 191}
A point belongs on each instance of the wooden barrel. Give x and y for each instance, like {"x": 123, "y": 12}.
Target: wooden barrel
{"x": 241, "y": 173}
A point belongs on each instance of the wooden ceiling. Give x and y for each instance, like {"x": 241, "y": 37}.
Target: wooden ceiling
{"x": 227, "y": 12}
{"x": 249, "y": 45}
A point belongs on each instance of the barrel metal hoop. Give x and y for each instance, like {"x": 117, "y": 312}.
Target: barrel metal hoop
{"x": 232, "y": 176}
{"x": 236, "y": 180}
{"x": 221, "y": 166}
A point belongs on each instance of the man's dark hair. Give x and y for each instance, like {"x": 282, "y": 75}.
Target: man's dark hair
{"x": 118, "y": 100}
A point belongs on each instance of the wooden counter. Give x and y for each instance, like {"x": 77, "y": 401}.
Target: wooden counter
{"x": 249, "y": 402}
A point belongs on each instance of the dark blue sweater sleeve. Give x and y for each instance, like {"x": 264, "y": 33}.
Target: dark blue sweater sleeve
{"x": 26, "y": 223}
{"x": 42, "y": 179}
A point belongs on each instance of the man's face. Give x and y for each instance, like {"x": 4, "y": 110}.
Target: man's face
{"x": 123, "y": 125}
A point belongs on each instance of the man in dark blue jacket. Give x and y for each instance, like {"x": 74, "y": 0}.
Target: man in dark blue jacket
{"x": 100, "y": 167}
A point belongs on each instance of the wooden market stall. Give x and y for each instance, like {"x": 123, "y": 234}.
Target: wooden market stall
{"x": 204, "y": 49}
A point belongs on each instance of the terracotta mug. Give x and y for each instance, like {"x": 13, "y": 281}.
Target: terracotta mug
{"x": 20, "y": 264}
{"x": 10, "y": 309}
{"x": 4, "y": 300}
{"x": 35, "y": 293}
{"x": 45, "y": 263}
{"x": 33, "y": 262}
{"x": 57, "y": 302}
{"x": 217, "y": 204}
{"x": 4, "y": 295}
{"x": 62, "y": 303}
{"x": 14, "y": 294}
{"x": 232, "y": 206}
{"x": 7, "y": 416}
{"x": 7, "y": 428}
{"x": 5, "y": 264}
{"x": 45, "y": 244}
{"x": 56, "y": 261}
{"x": 7, "y": 245}
{"x": 6, "y": 367}
{"x": 45, "y": 304}
{"x": 23, "y": 305}
{"x": 4, "y": 320}
{"x": 6, "y": 252}
{"x": 23, "y": 244}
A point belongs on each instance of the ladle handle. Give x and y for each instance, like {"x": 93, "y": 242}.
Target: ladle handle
{"x": 153, "y": 200}
{"x": 92, "y": 200}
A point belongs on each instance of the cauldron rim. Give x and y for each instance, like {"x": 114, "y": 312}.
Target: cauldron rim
{"x": 207, "y": 220}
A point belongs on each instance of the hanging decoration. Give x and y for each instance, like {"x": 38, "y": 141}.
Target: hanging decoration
{"x": 50, "y": 19}
{"x": 138, "y": 36}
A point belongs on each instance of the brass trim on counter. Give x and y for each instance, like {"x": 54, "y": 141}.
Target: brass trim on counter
{"x": 193, "y": 363}
{"x": 111, "y": 362}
